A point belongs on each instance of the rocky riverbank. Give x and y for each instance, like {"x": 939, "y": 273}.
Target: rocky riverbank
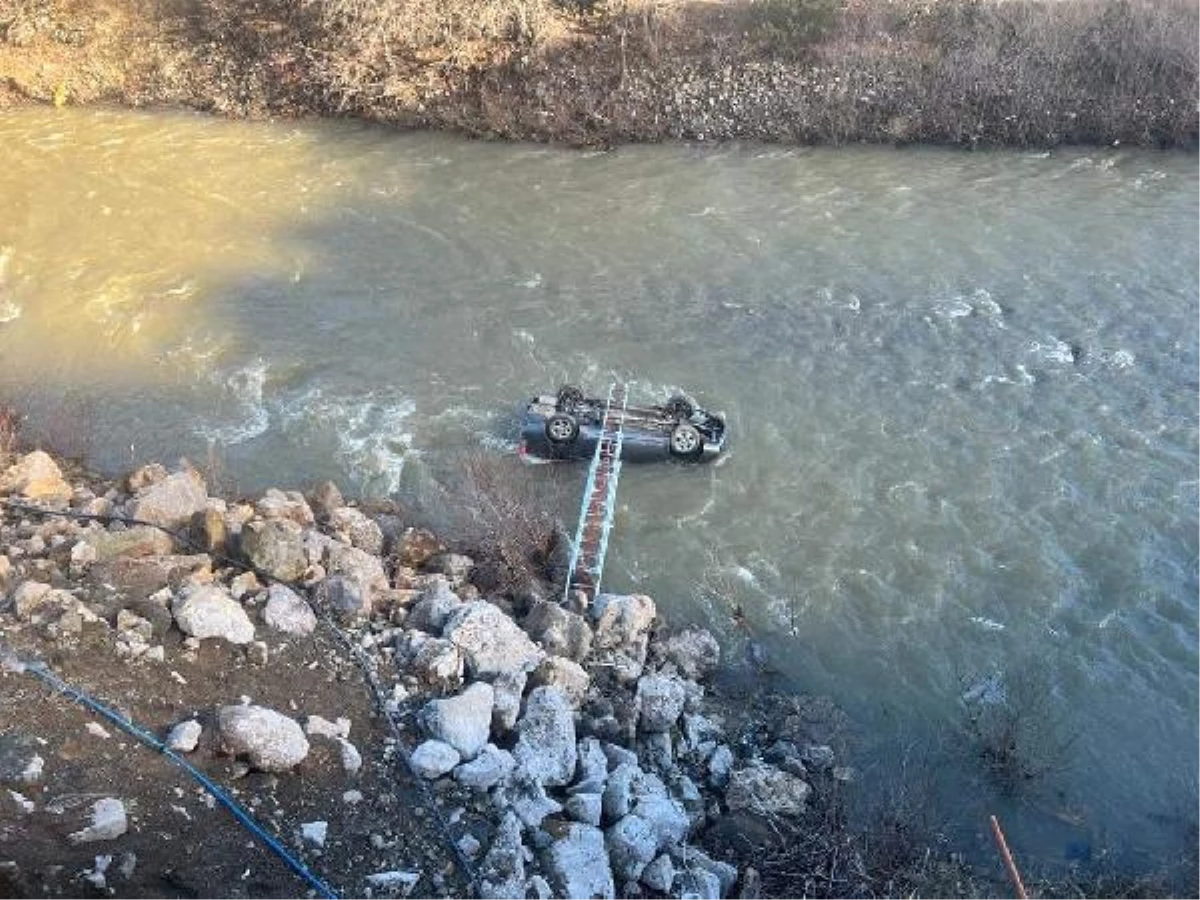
{"x": 958, "y": 72}
{"x": 517, "y": 745}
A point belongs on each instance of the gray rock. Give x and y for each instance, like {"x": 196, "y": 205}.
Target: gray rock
{"x": 546, "y": 742}
{"x": 632, "y": 844}
{"x": 205, "y": 611}
{"x": 20, "y": 763}
{"x": 359, "y": 529}
{"x": 289, "y": 505}
{"x": 393, "y": 882}
{"x": 566, "y": 675}
{"x": 171, "y": 502}
{"x": 659, "y": 874}
{"x": 288, "y": 612}
{"x": 346, "y": 597}
{"x": 456, "y": 567}
{"x": 720, "y": 764}
{"x": 438, "y": 663}
{"x": 108, "y": 822}
{"x": 491, "y": 641}
{"x": 433, "y": 759}
{"x": 502, "y": 872}
{"x": 434, "y": 606}
{"x": 616, "y": 755}
{"x": 696, "y": 884}
{"x": 660, "y": 700}
{"x": 358, "y": 565}
{"x": 275, "y": 546}
{"x": 325, "y": 500}
{"x": 592, "y": 768}
{"x": 28, "y": 596}
{"x": 577, "y": 864}
{"x": 766, "y": 790}
{"x": 818, "y": 756}
{"x": 618, "y": 792}
{"x": 185, "y": 736}
{"x": 509, "y": 688}
{"x": 464, "y": 722}
{"x": 586, "y": 808}
{"x": 560, "y": 633}
{"x": 623, "y": 623}
{"x": 696, "y": 860}
{"x": 666, "y": 817}
{"x": 486, "y": 770}
{"x": 524, "y": 795}
{"x": 415, "y": 547}
{"x": 269, "y": 740}
{"x": 698, "y": 730}
{"x": 695, "y": 653}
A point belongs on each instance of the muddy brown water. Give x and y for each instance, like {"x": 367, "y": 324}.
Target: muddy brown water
{"x": 962, "y": 389}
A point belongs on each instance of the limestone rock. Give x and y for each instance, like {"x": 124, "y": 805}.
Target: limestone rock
{"x": 270, "y": 740}
{"x": 346, "y": 597}
{"x": 20, "y": 763}
{"x": 486, "y": 770}
{"x": 433, "y": 759}
{"x": 660, "y": 700}
{"x": 35, "y": 476}
{"x": 28, "y": 596}
{"x": 632, "y": 844}
{"x": 577, "y": 863}
{"x": 509, "y": 687}
{"x": 766, "y": 790}
{"x": 559, "y": 632}
{"x": 659, "y": 874}
{"x": 359, "y": 529}
{"x": 416, "y": 546}
{"x": 464, "y": 722}
{"x": 491, "y": 642}
{"x": 171, "y": 502}
{"x": 524, "y": 794}
{"x": 140, "y": 540}
{"x": 276, "y": 546}
{"x": 185, "y": 736}
{"x": 566, "y": 675}
{"x": 206, "y": 611}
{"x": 622, "y": 631}
{"x": 546, "y": 743}
{"x": 502, "y": 872}
{"x": 288, "y": 612}
{"x": 433, "y": 607}
{"x": 456, "y": 567}
{"x": 586, "y": 808}
{"x": 108, "y": 822}
{"x": 289, "y": 505}
{"x": 695, "y": 653}
{"x": 438, "y": 663}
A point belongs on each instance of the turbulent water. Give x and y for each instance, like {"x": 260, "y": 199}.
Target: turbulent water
{"x": 962, "y": 389}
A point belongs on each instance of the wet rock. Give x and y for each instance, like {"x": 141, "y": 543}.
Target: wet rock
{"x": 433, "y": 759}
{"x": 577, "y": 863}
{"x": 464, "y": 722}
{"x": 818, "y": 757}
{"x": 559, "y": 632}
{"x": 20, "y": 763}
{"x": 358, "y": 529}
{"x": 415, "y": 547}
{"x": 546, "y": 743}
{"x": 509, "y": 688}
{"x": 502, "y": 872}
{"x": 275, "y": 546}
{"x": 108, "y": 822}
{"x": 288, "y": 612}
{"x": 785, "y": 756}
{"x": 140, "y": 540}
{"x": 632, "y": 844}
{"x": 486, "y": 770}
{"x": 660, "y": 700}
{"x": 206, "y": 611}
{"x": 171, "y": 502}
{"x": 433, "y": 607}
{"x": 566, "y": 675}
{"x": 185, "y": 736}
{"x": 491, "y": 642}
{"x": 35, "y": 476}
{"x": 695, "y": 653}
{"x": 269, "y": 740}
{"x": 289, "y": 505}
{"x": 766, "y": 790}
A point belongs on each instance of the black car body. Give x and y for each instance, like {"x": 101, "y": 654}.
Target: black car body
{"x": 568, "y": 425}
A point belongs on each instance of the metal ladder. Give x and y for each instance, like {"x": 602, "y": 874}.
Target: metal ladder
{"x": 599, "y": 499}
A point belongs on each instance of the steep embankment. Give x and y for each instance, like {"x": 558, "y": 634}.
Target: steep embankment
{"x": 1008, "y": 72}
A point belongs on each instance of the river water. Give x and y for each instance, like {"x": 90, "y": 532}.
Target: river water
{"x": 962, "y": 390}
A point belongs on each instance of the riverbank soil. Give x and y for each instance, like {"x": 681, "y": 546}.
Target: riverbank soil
{"x": 1020, "y": 72}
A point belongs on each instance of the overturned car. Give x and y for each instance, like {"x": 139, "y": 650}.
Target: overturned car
{"x": 568, "y": 425}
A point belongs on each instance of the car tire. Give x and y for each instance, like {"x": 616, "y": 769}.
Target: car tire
{"x": 561, "y": 429}
{"x": 686, "y": 441}
{"x": 568, "y": 398}
{"x": 679, "y": 408}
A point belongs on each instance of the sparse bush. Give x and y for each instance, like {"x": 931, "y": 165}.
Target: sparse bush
{"x": 794, "y": 24}
{"x": 415, "y": 25}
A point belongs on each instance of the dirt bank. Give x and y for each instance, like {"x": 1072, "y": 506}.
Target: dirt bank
{"x": 1017, "y": 73}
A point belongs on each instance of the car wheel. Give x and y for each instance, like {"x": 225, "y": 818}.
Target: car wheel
{"x": 686, "y": 441}
{"x": 679, "y": 408}
{"x": 561, "y": 429}
{"x": 568, "y": 398}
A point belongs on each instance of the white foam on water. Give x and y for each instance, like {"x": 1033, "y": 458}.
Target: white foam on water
{"x": 987, "y": 624}
{"x": 1054, "y": 351}
{"x": 243, "y": 389}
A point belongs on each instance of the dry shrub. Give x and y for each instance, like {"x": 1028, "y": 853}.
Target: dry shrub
{"x": 504, "y": 515}
{"x": 10, "y": 426}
